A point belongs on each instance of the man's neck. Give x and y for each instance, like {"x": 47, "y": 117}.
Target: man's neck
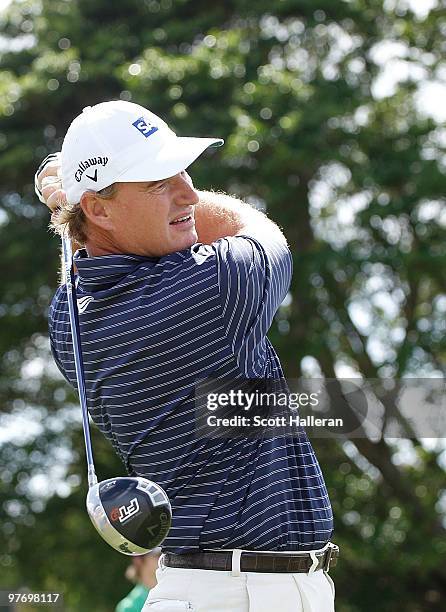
{"x": 94, "y": 250}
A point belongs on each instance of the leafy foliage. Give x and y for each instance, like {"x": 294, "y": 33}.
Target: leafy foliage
{"x": 357, "y": 182}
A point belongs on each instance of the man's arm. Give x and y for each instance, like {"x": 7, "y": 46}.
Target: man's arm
{"x": 252, "y": 273}
{"x": 219, "y": 215}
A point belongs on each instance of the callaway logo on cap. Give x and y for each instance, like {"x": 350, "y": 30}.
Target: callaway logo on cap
{"x": 123, "y": 142}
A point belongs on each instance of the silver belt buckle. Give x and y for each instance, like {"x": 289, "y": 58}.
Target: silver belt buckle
{"x": 330, "y": 555}
{"x": 316, "y": 558}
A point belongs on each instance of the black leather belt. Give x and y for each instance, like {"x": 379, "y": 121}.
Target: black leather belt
{"x": 251, "y": 561}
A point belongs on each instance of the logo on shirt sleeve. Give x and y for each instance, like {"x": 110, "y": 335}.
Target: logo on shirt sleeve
{"x": 146, "y": 129}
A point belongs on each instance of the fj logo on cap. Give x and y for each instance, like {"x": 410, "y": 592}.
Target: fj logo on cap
{"x": 145, "y": 128}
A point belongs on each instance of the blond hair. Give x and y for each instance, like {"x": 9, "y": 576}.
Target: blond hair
{"x": 71, "y": 217}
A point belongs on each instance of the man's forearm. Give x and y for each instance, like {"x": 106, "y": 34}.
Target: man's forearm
{"x": 219, "y": 215}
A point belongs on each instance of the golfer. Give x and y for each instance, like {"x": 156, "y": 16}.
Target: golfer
{"x": 174, "y": 286}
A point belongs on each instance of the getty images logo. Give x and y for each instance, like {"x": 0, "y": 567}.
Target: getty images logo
{"x": 145, "y": 128}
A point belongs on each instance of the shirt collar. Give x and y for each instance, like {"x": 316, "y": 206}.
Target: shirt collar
{"x": 108, "y": 269}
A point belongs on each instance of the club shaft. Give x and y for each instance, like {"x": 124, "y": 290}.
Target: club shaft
{"x": 75, "y": 334}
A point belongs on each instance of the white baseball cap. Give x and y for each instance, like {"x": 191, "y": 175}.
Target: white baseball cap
{"x": 120, "y": 141}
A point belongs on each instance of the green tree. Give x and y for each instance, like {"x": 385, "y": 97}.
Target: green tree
{"x": 357, "y": 182}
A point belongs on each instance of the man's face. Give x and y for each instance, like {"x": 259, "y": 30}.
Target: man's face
{"x": 145, "y": 218}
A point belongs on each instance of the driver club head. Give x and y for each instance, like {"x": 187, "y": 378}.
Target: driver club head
{"x": 133, "y": 515}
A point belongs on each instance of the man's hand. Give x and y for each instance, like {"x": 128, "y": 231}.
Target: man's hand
{"x": 48, "y": 188}
{"x": 48, "y": 184}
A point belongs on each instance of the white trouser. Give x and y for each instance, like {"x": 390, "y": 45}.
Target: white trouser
{"x": 194, "y": 590}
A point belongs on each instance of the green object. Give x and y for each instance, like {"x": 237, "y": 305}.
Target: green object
{"x": 134, "y": 601}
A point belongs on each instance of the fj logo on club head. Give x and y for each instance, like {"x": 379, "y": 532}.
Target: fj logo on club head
{"x": 145, "y": 128}
{"x": 126, "y": 512}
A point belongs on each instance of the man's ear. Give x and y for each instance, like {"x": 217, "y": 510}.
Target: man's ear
{"x": 97, "y": 210}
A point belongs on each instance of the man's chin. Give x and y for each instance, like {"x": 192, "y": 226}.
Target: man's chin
{"x": 188, "y": 240}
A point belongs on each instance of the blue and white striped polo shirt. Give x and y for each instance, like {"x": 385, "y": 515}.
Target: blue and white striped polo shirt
{"x": 154, "y": 327}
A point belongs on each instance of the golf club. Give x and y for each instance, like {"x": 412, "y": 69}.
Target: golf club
{"x": 132, "y": 514}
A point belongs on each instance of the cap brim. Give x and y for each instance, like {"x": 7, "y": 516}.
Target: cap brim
{"x": 174, "y": 157}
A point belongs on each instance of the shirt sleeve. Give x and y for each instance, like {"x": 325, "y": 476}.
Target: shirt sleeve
{"x": 253, "y": 279}
{"x": 51, "y": 331}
